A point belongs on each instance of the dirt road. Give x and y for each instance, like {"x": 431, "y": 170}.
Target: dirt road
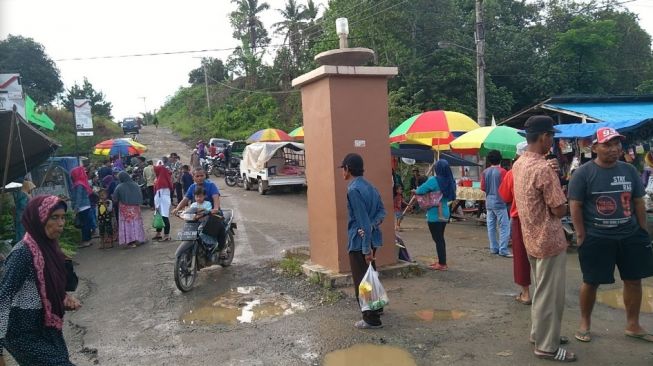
{"x": 250, "y": 314}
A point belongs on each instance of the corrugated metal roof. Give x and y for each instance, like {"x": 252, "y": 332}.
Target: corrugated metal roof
{"x": 610, "y": 112}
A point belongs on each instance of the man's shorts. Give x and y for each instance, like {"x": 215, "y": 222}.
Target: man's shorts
{"x": 632, "y": 255}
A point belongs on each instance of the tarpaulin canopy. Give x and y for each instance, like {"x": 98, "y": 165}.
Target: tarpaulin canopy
{"x": 427, "y": 156}
{"x": 29, "y": 146}
{"x": 257, "y": 154}
{"x": 37, "y": 118}
{"x": 583, "y": 130}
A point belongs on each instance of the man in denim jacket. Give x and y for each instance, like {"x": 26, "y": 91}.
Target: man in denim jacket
{"x": 366, "y": 213}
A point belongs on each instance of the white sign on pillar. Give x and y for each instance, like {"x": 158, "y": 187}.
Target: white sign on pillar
{"x": 11, "y": 93}
{"x": 83, "y": 117}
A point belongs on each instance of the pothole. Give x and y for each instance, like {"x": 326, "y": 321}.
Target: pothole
{"x": 615, "y": 298}
{"x": 242, "y": 305}
{"x": 429, "y": 315}
{"x": 370, "y": 354}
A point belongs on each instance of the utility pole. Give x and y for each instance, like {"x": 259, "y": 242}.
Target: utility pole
{"x": 480, "y": 64}
{"x": 206, "y": 85}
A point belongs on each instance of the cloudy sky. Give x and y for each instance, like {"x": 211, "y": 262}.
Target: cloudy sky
{"x": 89, "y": 28}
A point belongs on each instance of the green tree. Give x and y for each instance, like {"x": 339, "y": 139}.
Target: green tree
{"x": 39, "y": 74}
{"x": 215, "y": 70}
{"x": 250, "y": 31}
{"x": 99, "y": 106}
{"x": 290, "y": 26}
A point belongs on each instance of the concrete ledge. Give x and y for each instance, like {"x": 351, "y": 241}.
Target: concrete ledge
{"x": 331, "y": 70}
{"x": 331, "y": 279}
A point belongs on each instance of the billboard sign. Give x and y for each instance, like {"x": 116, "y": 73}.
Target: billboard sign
{"x": 83, "y": 117}
{"x": 11, "y": 93}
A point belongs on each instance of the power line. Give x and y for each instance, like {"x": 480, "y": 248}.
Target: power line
{"x": 253, "y": 91}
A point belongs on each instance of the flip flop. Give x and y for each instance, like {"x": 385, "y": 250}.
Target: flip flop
{"x": 522, "y": 301}
{"x": 647, "y": 337}
{"x": 583, "y": 336}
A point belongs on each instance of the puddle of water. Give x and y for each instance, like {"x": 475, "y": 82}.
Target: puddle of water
{"x": 615, "y": 299}
{"x": 429, "y": 315}
{"x": 369, "y": 354}
{"x": 241, "y": 305}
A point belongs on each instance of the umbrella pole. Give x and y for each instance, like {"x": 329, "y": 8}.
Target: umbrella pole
{"x": 7, "y": 159}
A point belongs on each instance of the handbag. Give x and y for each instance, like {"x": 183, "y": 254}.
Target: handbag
{"x": 157, "y": 221}
{"x": 429, "y": 200}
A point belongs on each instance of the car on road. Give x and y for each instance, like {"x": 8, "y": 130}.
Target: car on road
{"x": 130, "y": 125}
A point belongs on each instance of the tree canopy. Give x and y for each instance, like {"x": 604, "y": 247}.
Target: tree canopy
{"x": 39, "y": 74}
{"x": 99, "y": 106}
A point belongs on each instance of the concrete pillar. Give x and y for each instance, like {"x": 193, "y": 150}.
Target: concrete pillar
{"x": 345, "y": 109}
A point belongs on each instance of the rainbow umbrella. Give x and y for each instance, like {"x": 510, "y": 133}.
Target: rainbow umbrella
{"x": 269, "y": 135}
{"x": 297, "y": 133}
{"x": 434, "y": 128}
{"x": 122, "y": 146}
{"x": 484, "y": 139}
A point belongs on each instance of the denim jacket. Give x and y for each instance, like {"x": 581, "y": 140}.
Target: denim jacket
{"x": 80, "y": 199}
{"x": 365, "y": 212}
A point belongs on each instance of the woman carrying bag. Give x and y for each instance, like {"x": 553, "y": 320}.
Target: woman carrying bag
{"x": 162, "y": 188}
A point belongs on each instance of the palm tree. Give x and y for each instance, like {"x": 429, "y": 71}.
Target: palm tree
{"x": 293, "y": 17}
{"x": 247, "y": 23}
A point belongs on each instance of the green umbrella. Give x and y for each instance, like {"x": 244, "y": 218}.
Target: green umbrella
{"x": 484, "y": 139}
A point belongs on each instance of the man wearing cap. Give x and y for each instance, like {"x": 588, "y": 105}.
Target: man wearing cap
{"x": 366, "y": 213}
{"x": 609, "y": 216}
{"x": 520, "y": 264}
{"x": 541, "y": 203}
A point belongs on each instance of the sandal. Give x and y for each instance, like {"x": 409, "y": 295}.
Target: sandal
{"x": 583, "y": 336}
{"x": 157, "y": 237}
{"x": 167, "y": 238}
{"x": 643, "y": 336}
{"x": 561, "y": 355}
{"x": 439, "y": 267}
{"x": 522, "y": 301}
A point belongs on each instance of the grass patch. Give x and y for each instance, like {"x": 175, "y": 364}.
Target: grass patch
{"x": 291, "y": 266}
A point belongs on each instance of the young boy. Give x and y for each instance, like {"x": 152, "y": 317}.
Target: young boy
{"x": 202, "y": 208}
{"x": 104, "y": 215}
{"x": 186, "y": 177}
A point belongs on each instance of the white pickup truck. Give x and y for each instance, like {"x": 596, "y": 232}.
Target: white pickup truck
{"x": 273, "y": 164}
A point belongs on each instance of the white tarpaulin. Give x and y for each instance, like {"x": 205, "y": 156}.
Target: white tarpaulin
{"x": 257, "y": 154}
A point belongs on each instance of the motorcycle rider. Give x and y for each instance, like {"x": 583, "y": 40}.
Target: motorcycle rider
{"x": 213, "y": 197}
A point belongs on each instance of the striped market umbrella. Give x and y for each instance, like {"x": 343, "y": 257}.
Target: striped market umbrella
{"x": 434, "y": 128}
{"x": 122, "y": 146}
{"x": 482, "y": 140}
{"x": 269, "y": 135}
{"x": 297, "y": 133}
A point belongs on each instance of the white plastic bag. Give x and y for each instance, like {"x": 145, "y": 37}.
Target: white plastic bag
{"x": 371, "y": 294}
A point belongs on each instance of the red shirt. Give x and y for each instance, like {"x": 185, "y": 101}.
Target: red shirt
{"x": 507, "y": 194}
{"x": 212, "y": 151}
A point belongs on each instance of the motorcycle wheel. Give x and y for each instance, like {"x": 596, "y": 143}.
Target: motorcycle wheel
{"x": 240, "y": 182}
{"x": 230, "y": 249}
{"x": 215, "y": 171}
{"x": 230, "y": 180}
{"x": 185, "y": 271}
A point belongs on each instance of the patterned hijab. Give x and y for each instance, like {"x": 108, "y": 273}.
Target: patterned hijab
{"x": 48, "y": 260}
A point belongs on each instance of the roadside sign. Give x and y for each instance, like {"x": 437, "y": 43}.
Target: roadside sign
{"x": 83, "y": 117}
{"x": 84, "y": 133}
{"x": 11, "y": 93}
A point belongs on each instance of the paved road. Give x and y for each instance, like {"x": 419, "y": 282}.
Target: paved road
{"x": 133, "y": 315}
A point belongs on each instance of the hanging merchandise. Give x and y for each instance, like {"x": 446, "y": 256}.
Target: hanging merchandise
{"x": 639, "y": 149}
{"x": 565, "y": 146}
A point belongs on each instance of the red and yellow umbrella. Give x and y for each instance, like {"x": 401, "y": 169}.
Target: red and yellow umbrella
{"x": 269, "y": 135}
{"x": 297, "y": 133}
{"x": 433, "y": 128}
{"x": 123, "y": 147}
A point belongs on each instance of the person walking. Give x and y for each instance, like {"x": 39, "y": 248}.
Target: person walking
{"x": 497, "y": 210}
{"x": 195, "y": 160}
{"x": 437, "y": 217}
{"x": 520, "y": 266}
{"x": 150, "y": 177}
{"x": 541, "y": 203}
{"x": 33, "y": 295}
{"x": 175, "y": 168}
{"x": 128, "y": 197}
{"x": 609, "y": 216}
{"x": 82, "y": 204}
{"x": 162, "y": 200}
{"x": 366, "y": 212}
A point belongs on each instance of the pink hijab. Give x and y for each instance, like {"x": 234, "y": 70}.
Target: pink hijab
{"x": 80, "y": 178}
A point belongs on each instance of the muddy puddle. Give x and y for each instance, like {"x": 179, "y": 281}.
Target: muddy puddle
{"x": 429, "y": 315}
{"x": 242, "y": 305}
{"x": 369, "y": 354}
{"x": 615, "y": 299}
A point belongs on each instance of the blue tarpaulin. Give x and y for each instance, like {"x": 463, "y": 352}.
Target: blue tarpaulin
{"x": 583, "y": 130}
{"x": 609, "y": 112}
{"x": 427, "y": 156}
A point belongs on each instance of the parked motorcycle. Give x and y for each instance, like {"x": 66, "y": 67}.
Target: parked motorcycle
{"x": 232, "y": 177}
{"x": 215, "y": 166}
{"x": 193, "y": 254}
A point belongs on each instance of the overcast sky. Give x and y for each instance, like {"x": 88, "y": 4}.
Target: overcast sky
{"x": 89, "y": 28}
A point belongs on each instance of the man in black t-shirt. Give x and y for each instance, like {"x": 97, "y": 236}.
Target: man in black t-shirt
{"x": 609, "y": 216}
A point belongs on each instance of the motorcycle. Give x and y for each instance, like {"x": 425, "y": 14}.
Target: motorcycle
{"x": 193, "y": 254}
{"x": 232, "y": 177}
{"x": 215, "y": 166}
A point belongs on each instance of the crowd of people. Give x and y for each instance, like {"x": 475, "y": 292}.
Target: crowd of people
{"x": 525, "y": 205}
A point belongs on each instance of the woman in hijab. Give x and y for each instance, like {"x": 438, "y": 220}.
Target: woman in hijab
{"x": 444, "y": 182}
{"x": 82, "y": 203}
{"x": 33, "y": 295}
{"x": 21, "y": 198}
{"x": 130, "y": 223}
{"x": 162, "y": 201}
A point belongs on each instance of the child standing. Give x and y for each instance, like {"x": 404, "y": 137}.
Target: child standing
{"x": 398, "y": 203}
{"x": 186, "y": 178}
{"x": 105, "y": 217}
